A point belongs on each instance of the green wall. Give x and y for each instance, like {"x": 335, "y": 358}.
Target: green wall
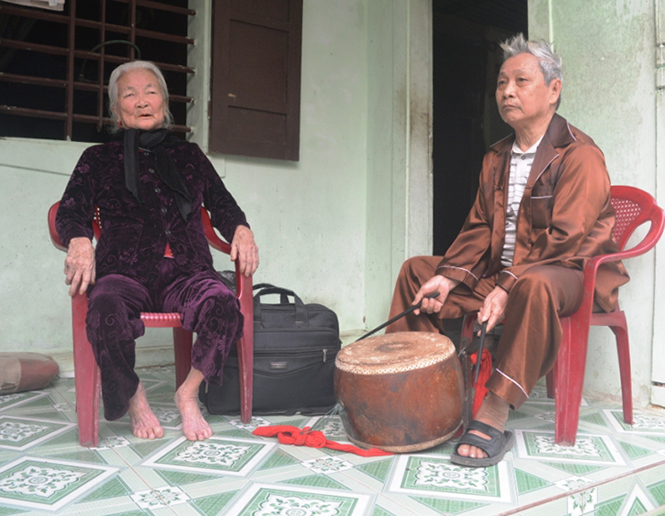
{"x": 309, "y": 217}
{"x": 608, "y": 51}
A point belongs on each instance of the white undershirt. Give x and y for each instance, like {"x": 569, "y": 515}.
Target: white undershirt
{"x": 520, "y": 168}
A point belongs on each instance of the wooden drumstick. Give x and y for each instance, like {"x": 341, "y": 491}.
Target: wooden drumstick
{"x": 397, "y": 317}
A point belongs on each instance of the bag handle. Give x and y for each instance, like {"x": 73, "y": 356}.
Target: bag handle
{"x": 267, "y": 289}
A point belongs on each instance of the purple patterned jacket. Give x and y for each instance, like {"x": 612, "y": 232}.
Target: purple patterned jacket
{"x": 134, "y": 235}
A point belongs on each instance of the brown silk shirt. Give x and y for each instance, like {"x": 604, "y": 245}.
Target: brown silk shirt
{"x": 565, "y": 216}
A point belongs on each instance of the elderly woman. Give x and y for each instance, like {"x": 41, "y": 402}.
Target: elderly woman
{"x": 542, "y": 210}
{"x": 152, "y": 254}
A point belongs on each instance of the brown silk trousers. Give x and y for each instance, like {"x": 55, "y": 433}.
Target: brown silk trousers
{"x": 530, "y": 340}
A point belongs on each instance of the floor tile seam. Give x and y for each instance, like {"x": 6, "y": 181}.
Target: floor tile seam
{"x": 586, "y": 487}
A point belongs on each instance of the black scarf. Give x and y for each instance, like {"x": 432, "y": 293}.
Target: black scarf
{"x": 154, "y": 141}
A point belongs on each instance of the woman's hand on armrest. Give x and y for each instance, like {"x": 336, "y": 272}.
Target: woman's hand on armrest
{"x": 244, "y": 249}
{"x": 79, "y": 265}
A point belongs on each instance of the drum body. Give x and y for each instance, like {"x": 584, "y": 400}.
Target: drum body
{"x": 400, "y": 392}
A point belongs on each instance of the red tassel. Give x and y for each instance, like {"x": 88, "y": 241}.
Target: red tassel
{"x": 480, "y": 391}
{"x": 306, "y": 437}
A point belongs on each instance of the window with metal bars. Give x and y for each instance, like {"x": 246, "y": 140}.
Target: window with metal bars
{"x": 54, "y": 66}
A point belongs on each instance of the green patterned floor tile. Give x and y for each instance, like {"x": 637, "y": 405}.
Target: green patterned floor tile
{"x": 594, "y": 418}
{"x": 448, "y": 506}
{"x": 214, "y": 456}
{"x": 9, "y": 511}
{"x": 540, "y": 407}
{"x": 234, "y": 432}
{"x": 516, "y": 415}
{"x": 49, "y": 484}
{"x": 278, "y": 459}
{"x": 657, "y": 490}
{"x": 112, "y": 489}
{"x": 21, "y": 433}
{"x": 636, "y": 508}
{"x": 213, "y": 505}
{"x": 145, "y": 447}
{"x": 609, "y": 507}
{"x": 323, "y": 481}
{"x": 575, "y": 469}
{"x": 526, "y": 482}
{"x": 274, "y": 499}
{"x": 379, "y": 511}
{"x": 378, "y": 469}
{"x": 70, "y": 440}
{"x": 179, "y": 478}
{"x": 633, "y": 451}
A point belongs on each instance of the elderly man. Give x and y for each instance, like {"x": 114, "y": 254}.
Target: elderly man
{"x": 542, "y": 210}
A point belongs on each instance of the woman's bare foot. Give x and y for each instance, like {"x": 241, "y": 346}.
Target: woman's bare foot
{"x": 194, "y": 426}
{"x": 145, "y": 424}
{"x": 493, "y": 412}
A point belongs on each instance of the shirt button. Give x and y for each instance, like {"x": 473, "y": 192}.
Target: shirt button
{"x": 164, "y": 210}
{"x": 157, "y": 190}
{"x": 151, "y": 170}
{"x": 523, "y": 156}
{"x": 167, "y": 233}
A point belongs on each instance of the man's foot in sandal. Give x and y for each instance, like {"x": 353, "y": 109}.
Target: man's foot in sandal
{"x": 495, "y": 447}
{"x": 485, "y": 442}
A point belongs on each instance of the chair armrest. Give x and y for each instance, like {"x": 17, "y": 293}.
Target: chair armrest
{"x": 55, "y": 238}
{"x": 243, "y": 283}
{"x": 211, "y": 235}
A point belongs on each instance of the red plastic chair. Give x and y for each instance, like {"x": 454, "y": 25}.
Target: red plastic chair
{"x": 87, "y": 377}
{"x": 565, "y": 381}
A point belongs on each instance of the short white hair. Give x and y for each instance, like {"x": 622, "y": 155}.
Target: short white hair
{"x": 550, "y": 62}
{"x": 113, "y": 90}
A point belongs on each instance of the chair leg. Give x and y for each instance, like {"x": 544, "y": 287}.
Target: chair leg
{"x": 623, "y": 349}
{"x": 571, "y": 362}
{"x": 86, "y": 376}
{"x": 182, "y": 350}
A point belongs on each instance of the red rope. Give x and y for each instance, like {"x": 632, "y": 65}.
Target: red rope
{"x": 306, "y": 437}
{"x": 483, "y": 375}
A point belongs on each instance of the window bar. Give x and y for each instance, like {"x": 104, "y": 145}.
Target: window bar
{"x": 132, "y": 28}
{"x": 69, "y": 124}
{"x": 100, "y": 72}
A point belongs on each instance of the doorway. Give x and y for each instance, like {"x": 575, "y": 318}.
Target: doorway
{"x": 466, "y": 61}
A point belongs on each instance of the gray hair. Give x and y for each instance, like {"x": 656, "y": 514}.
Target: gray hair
{"x": 113, "y": 90}
{"x": 550, "y": 63}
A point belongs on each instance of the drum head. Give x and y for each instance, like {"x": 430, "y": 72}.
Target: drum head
{"x": 395, "y": 352}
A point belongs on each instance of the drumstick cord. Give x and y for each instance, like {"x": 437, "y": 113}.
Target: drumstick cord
{"x": 397, "y": 317}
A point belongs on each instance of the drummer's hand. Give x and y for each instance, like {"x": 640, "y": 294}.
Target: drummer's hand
{"x": 494, "y": 308}
{"x": 438, "y": 284}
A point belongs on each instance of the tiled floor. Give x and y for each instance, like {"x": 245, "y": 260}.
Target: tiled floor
{"x": 613, "y": 469}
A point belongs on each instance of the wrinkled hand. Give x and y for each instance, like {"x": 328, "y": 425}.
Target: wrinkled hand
{"x": 79, "y": 265}
{"x": 494, "y": 308}
{"x": 438, "y": 284}
{"x": 244, "y": 248}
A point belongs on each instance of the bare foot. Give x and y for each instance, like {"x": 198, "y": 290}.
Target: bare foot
{"x": 145, "y": 424}
{"x": 194, "y": 426}
{"x": 493, "y": 412}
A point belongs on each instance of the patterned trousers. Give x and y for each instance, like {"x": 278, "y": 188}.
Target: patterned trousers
{"x": 115, "y": 302}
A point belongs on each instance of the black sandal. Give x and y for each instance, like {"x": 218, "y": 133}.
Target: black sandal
{"x": 495, "y": 447}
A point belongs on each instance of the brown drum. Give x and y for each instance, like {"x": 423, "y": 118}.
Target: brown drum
{"x": 400, "y": 392}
